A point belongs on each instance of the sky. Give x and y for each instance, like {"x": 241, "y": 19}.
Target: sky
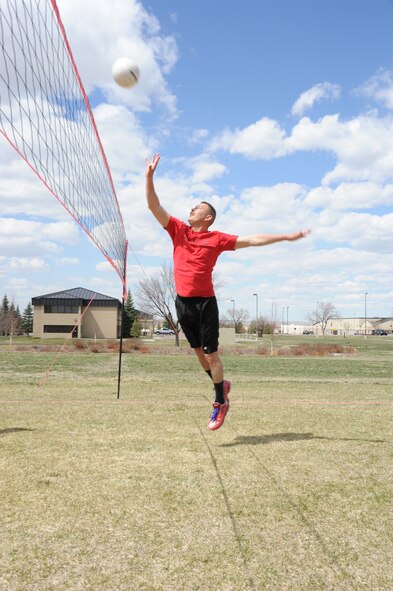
{"x": 279, "y": 113}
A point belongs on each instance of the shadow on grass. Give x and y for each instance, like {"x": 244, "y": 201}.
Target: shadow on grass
{"x": 265, "y": 439}
{"x": 13, "y": 430}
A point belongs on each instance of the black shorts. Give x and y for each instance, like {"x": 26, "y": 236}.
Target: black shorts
{"x": 198, "y": 318}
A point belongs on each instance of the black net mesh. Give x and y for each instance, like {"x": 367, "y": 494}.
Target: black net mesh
{"x": 45, "y": 115}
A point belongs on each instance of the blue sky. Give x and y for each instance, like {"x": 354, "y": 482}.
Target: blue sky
{"x": 279, "y": 113}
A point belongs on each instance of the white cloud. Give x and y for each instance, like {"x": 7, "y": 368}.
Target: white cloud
{"x": 351, "y": 196}
{"x": 198, "y": 135}
{"x": 363, "y": 231}
{"x": 323, "y": 90}
{"x": 205, "y": 169}
{"x": 125, "y": 143}
{"x": 67, "y": 261}
{"x": 21, "y": 191}
{"x": 22, "y": 264}
{"x": 104, "y": 266}
{"x": 363, "y": 145}
{"x": 100, "y": 32}
{"x": 24, "y": 238}
{"x": 263, "y": 139}
{"x": 379, "y": 88}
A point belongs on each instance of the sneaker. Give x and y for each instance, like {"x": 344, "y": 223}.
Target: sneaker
{"x": 218, "y": 415}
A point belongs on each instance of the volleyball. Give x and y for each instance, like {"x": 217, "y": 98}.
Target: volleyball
{"x": 125, "y": 72}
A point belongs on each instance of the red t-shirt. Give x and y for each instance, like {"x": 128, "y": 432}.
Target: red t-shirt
{"x": 194, "y": 257}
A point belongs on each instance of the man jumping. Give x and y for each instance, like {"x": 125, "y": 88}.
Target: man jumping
{"x": 195, "y": 252}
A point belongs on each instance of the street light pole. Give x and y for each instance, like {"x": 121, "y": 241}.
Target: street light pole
{"x": 282, "y": 321}
{"x": 233, "y": 313}
{"x": 256, "y": 313}
{"x": 287, "y": 321}
{"x": 316, "y": 318}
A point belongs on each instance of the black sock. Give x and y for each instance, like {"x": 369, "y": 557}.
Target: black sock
{"x": 209, "y": 373}
{"x": 219, "y": 390}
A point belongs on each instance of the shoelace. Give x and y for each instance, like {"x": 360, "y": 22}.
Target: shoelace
{"x": 215, "y": 413}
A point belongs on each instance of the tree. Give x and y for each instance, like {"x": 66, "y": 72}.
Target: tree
{"x": 135, "y": 329}
{"x": 258, "y": 326}
{"x": 157, "y": 294}
{"x": 129, "y": 315}
{"x": 322, "y": 314}
{"x": 271, "y": 325}
{"x": 14, "y": 321}
{"x": 235, "y": 317}
{"x": 4, "y": 316}
{"x": 18, "y": 321}
{"x": 27, "y": 319}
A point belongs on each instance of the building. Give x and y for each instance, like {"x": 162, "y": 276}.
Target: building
{"x": 355, "y": 326}
{"x": 56, "y": 314}
{"x": 96, "y": 316}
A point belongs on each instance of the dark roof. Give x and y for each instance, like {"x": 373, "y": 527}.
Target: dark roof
{"x": 77, "y": 295}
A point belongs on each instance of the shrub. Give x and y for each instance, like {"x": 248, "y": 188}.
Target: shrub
{"x": 80, "y": 345}
{"x": 96, "y": 348}
{"x": 113, "y": 346}
{"x": 262, "y": 351}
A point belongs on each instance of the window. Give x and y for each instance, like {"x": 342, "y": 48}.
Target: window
{"x": 63, "y": 328}
{"x": 61, "y": 309}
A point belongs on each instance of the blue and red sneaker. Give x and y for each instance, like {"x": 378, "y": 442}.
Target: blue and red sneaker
{"x": 218, "y": 415}
{"x": 220, "y": 410}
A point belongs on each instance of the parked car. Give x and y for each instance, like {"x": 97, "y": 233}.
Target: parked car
{"x": 164, "y": 331}
{"x": 380, "y": 331}
{"x": 306, "y": 331}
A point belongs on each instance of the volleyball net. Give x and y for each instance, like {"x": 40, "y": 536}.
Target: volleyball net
{"x": 46, "y": 116}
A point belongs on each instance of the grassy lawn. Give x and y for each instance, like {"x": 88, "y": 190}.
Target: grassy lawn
{"x": 294, "y": 493}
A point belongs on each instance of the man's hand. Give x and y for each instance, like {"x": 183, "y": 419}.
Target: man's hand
{"x": 265, "y": 239}
{"x": 298, "y": 235}
{"x": 152, "y": 165}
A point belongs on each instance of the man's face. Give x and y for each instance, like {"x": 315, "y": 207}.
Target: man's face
{"x": 198, "y": 214}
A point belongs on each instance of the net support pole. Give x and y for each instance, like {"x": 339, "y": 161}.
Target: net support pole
{"x": 120, "y": 349}
{"x": 122, "y": 320}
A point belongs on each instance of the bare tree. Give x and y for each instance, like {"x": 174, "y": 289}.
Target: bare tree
{"x": 271, "y": 325}
{"x": 235, "y": 317}
{"x": 157, "y": 294}
{"x": 322, "y": 314}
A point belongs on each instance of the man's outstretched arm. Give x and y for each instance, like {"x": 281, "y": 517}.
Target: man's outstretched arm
{"x": 153, "y": 202}
{"x": 264, "y": 239}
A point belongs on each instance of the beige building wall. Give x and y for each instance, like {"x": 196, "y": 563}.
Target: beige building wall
{"x": 347, "y": 326}
{"x": 40, "y": 319}
{"x": 227, "y": 336}
{"x": 100, "y": 323}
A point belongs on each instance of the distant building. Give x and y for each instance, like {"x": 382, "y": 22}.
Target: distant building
{"x": 56, "y": 314}
{"x": 355, "y": 326}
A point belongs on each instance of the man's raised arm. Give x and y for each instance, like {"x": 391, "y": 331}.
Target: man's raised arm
{"x": 153, "y": 202}
{"x": 264, "y": 239}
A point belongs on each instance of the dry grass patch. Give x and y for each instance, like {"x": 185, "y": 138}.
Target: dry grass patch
{"x": 315, "y": 350}
{"x": 292, "y": 494}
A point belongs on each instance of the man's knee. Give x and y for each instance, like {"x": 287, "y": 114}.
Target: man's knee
{"x": 213, "y": 357}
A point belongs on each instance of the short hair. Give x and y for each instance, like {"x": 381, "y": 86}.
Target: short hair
{"x": 213, "y": 212}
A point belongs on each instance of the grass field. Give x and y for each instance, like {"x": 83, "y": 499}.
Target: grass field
{"x": 294, "y": 493}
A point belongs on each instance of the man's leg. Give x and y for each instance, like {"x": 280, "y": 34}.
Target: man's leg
{"x": 203, "y": 361}
{"x": 216, "y": 367}
{"x": 212, "y": 364}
